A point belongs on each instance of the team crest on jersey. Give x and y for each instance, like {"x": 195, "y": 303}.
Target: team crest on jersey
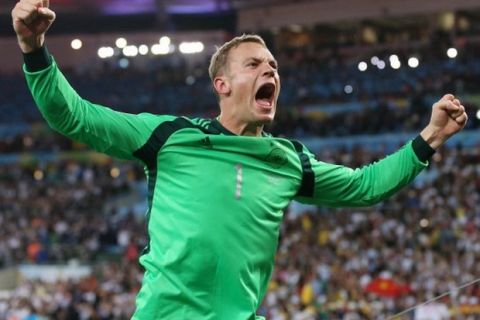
{"x": 205, "y": 142}
{"x": 277, "y": 158}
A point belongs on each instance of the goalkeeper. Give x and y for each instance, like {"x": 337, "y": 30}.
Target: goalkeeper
{"x": 217, "y": 187}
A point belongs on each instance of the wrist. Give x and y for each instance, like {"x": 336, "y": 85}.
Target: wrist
{"x": 30, "y": 45}
{"x": 433, "y": 137}
{"x": 37, "y": 60}
{"x": 422, "y": 149}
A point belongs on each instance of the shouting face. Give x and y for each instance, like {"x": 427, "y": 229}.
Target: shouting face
{"x": 250, "y": 84}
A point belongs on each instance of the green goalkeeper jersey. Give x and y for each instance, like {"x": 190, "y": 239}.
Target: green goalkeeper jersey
{"x": 216, "y": 199}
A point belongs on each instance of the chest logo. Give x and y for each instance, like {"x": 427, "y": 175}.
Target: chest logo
{"x": 206, "y": 143}
{"x": 277, "y": 158}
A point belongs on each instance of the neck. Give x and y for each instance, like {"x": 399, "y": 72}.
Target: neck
{"x": 240, "y": 128}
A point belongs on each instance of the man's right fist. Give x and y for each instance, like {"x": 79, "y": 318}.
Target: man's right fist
{"x": 31, "y": 19}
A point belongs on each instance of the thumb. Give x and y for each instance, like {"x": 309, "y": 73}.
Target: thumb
{"x": 46, "y": 13}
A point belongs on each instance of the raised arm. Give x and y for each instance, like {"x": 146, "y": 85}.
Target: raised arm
{"x": 339, "y": 186}
{"x": 335, "y": 185}
{"x": 115, "y": 133}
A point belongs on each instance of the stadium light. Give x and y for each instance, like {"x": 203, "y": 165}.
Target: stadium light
{"x": 105, "y": 52}
{"x": 130, "y": 51}
{"x": 374, "y": 60}
{"x": 362, "y": 66}
{"x": 413, "y": 62}
{"x": 123, "y": 63}
{"x": 121, "y": 43}
{"x": 76, "y": 44}
{"x": 165, "y": 41}
{"x": 348, "y": 89}
{"x": 395, "y": 61}
{"x": 478, "y": 114}
{"x": 143, "y": 49}
{"x": 396, "y": 64}
{"x": 191, "y": 47}
{"x": 381, "y": 64}
{"x": 393, "y": 58}
{"x": 160, "y": 49}
{"x": 452, "y": 53}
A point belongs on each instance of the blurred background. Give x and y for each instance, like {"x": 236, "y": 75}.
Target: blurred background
{"x": 358, "y": 80}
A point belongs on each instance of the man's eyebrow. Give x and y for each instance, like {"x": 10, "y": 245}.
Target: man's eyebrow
{"x": 256, "y": 59}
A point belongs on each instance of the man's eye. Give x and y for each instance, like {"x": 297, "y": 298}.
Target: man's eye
{"x": 252, "y": 64}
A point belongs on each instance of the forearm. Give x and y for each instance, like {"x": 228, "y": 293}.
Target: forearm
{"x": 114, "y": 133}
{"x": 378, "y": 181}
{"x": 341, "y": 186}
{"x": 433, "y": 137}
{"x": 56, "y": 100}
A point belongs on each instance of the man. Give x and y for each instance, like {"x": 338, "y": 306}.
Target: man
{"x": 217, "y": 187}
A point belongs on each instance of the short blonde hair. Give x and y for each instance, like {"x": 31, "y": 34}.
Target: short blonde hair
{"x": 220, "y": 57}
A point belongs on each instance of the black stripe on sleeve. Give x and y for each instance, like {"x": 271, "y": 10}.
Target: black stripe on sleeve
{"x": 37, "y": 60}
{"x": 308, "y": 176}
{"x": 422, "y": 149}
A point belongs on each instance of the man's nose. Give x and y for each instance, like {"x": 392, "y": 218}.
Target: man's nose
{"x": 269, "y": 71}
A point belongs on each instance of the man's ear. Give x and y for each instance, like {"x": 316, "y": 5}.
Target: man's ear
{"x": 221, "y": 86}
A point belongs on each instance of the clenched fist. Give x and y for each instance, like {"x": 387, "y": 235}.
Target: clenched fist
{"x": 31, "y": 20}
{"x": 448, "y": 117}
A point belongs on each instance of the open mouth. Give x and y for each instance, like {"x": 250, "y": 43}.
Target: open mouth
{"x": 265, "y": 95}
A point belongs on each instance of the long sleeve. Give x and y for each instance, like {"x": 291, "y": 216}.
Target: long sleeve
{"x": 340, "y": 186}
{"x": 105, "y": 130}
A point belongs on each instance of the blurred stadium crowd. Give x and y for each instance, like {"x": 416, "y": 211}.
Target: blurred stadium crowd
{"x": 61, "y": 203}
{"x": 422, "y": 242}
{"x": 321, "y": 95}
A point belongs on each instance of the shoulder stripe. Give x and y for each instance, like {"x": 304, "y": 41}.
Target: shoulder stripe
{"x": 148, "y": 152}
{"x": 204, "y": 123}
{"x": 308, "y": 176}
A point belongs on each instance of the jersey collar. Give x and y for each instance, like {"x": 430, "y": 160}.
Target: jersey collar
{"x": 215, "y": 124}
